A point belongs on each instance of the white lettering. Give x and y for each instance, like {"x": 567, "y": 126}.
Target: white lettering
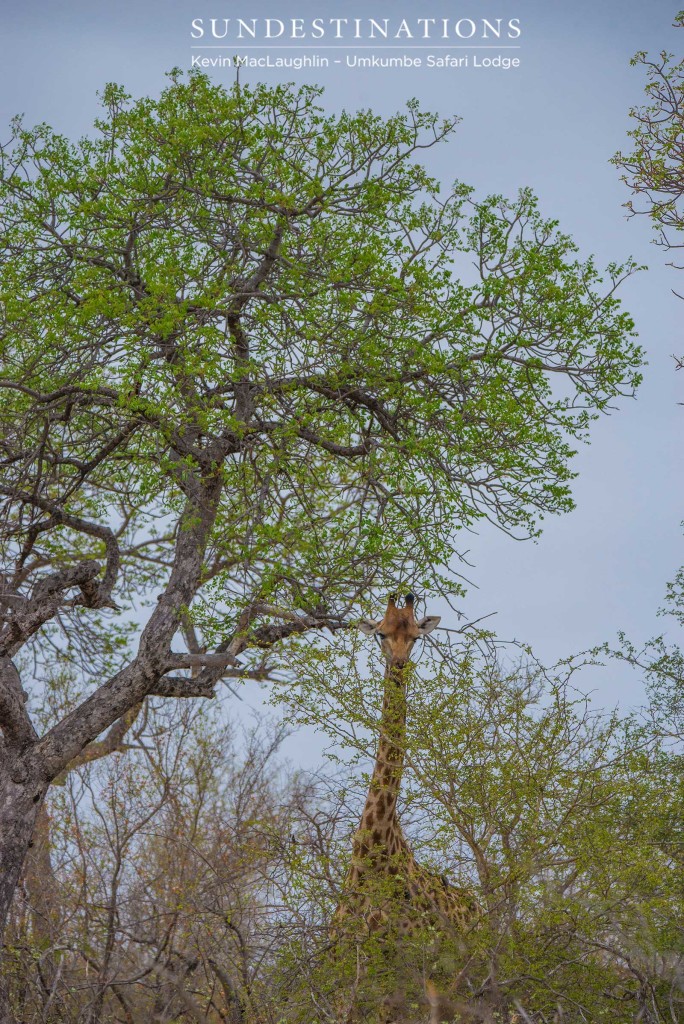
{"x": 251, "y": 31}
{"x": 339, "y": 22}
{"x": 460, "y": 33}
{"x": 377, "y": 27}
{"x": 495, "y": 29}
{"x": 269, "y": 23}
{"x": 214, "y": 33}
{"x": 403, "y": 30}
{"x": 426, "y": 22}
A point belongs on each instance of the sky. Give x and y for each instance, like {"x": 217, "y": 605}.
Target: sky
{"x": 552, "y": 124}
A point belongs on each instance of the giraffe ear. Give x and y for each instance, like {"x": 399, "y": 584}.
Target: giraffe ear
{"x": 368, "y": 627}
{"x": 427, "y": 624}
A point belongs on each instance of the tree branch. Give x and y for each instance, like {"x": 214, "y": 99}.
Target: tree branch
{"x": 14, "y": 719}
{"x": 113, "y": 741}
{"x": 45, "y": 600}
{"x": 94, "y": 596}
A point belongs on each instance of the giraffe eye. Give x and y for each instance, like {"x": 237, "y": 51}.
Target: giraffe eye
{"x": 380, "y": 635}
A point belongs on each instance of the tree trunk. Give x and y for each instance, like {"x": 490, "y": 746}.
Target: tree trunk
{"x": 19, "y": 805}
{"x": 43, "y": 897}
{"x": 28, "y": 763}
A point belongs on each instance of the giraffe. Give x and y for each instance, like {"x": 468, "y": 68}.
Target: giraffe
{"x": 386, "y": 891}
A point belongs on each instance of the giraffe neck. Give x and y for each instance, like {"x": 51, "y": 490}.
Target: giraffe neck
{"x": 381, "y": 802}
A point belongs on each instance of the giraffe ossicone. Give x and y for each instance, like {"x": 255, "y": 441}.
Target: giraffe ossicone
{"x": 399, "y": 629}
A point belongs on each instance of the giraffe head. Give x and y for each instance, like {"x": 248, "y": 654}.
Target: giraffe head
{"x": 398, "y": 630}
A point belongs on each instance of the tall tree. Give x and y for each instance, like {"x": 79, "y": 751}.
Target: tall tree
{"x": 654, "y": 171}
{"x": 253, "y": 365}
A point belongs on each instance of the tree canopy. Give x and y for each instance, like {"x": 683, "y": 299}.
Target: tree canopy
{"x": 654, "y": 169}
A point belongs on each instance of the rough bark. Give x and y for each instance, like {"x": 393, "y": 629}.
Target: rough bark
{"x": 43, "y": 896}
{"x": 19, "y": 806}
{"x": 29, "y": 762}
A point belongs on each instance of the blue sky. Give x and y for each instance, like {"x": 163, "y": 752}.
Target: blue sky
{"x": 551, "y": 124}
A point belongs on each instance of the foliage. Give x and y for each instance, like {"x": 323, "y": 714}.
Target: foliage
{"x": 196, "y": 876}
{"x": 238, "y": 268}
{"x": 654, "y": 169}
{"x": 254, "y": 368}
{"x": 564, "y": 819}
{"x": 163, "y": 863}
